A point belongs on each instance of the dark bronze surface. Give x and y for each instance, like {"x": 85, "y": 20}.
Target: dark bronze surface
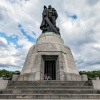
{"x": 49, "y": 17}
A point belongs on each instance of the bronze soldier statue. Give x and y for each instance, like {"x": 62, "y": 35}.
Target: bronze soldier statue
{"x": 48, "y": 24}
{"x": 44, "y": 23}
{"x": 54, "y": 16}
{"x": 50, "y": 13}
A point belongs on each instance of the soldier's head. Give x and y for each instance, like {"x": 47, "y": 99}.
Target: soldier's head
{"x": 45, "y": 7}
{"x": 53, "y": 9}
{"x": 49, "y": 7}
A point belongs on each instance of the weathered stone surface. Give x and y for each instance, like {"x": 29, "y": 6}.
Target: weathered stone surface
{"x": 97, "y": 78}
{"x": 50, "y": 38}
{"x": 49, "y": 90}
{"x": 48, "y": 99}
{"x": 3, "y": 84}
{"x": 15, "y": 77}
{"x": 49, "y": 45}
{"x": 96, "y": 84}
{"x": 84, "y": 77}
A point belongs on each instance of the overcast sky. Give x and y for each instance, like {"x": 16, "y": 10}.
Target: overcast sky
{"x": 79, "y": 23}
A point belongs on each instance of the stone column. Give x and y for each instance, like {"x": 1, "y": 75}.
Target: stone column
{"x": 1, "y": 78}
{"x": 3, "y": 84}
{"x": 97, "y": 77}
{"x": 84, "y": 77}
{"x": 15, "y": 76}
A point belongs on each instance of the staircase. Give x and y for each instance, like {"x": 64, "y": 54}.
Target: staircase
{"x": 49, "y": 90}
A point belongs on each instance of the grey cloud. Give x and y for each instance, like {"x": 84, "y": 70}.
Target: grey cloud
{"x": 92, "y": 2}
{"x": 7, "y": 65}
{"x": 77, "y": 41}
{"x": 87, "y": 56}
{"x": 79, "y": 35}
{"x": 96, "y": 48}
{"x": 3, "y": 13}
{"x": 3, "y": 43}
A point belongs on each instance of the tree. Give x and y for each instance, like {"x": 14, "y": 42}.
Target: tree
{"x": 91, "y": 74}
{"x": 7, "y": 73}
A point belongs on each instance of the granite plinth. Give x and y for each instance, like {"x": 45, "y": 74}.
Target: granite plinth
{"x": 49, "y": 45}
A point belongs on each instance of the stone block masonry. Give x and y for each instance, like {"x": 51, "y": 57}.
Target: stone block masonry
{"x": 47, "y": 47}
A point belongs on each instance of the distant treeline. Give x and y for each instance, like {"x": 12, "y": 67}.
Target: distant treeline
{"x": 90, "y": 74}
{"x": 7, "y": 73}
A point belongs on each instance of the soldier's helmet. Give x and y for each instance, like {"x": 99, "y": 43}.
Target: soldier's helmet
{"x": 53, "y": 9}
{"x": 49, "y": 7}
{"x": 45, "y": 7}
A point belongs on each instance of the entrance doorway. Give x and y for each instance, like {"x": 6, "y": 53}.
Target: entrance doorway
{"x": 50, "y": 69}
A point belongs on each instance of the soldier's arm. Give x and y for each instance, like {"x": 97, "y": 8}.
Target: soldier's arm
{"x": 56, "y": 14}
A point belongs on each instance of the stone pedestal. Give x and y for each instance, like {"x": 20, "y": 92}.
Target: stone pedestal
{"x": 97, "y": 78}
{"x": 84, "y": 77}
{"x": 15, "y": 77}
{"x": 1, "y": 78}
{"x": 3, "y": 84}
{"x": 96, "y": 84}
{"x": 49, "y": 46}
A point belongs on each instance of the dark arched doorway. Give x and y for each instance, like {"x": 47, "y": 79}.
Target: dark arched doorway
{"x": 50, "y": 68}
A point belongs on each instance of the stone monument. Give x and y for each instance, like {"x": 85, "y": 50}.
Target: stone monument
{"x": 49, "y": 56}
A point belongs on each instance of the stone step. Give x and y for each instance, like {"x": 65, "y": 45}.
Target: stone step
{"x": 48, "y": 83}
{"x": 51, "y": 91}
{"x": 50, "y": 87}
{"x": 28, "y": 85}
{"x": 49, "y": 96}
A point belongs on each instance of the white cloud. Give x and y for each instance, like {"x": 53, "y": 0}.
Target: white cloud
{"x": 3, "y": 42}
{"x": 10, "y": 56}
{"x": 81, "y": 35}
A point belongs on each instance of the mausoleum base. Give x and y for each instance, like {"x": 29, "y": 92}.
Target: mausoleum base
{"x": 49, "y": 53}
